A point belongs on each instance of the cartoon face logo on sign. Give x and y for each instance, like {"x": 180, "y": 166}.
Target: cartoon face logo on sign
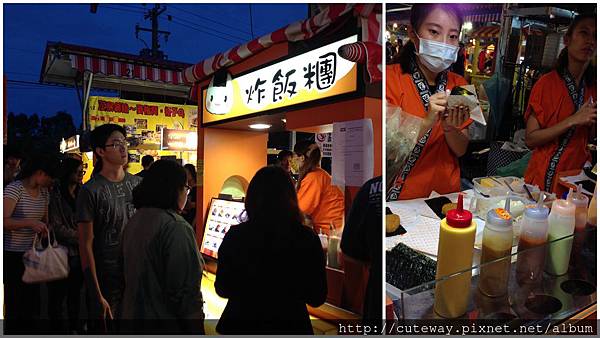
{"x": 219, "y": 96}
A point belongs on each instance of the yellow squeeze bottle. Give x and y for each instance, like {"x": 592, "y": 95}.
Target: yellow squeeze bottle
{"x": 455, "y": 254}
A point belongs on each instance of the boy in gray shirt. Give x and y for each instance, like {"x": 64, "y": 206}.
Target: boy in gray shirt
{"x": 104, "y": 206}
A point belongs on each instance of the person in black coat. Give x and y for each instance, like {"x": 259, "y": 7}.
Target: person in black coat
{"x": 270, "y": 266}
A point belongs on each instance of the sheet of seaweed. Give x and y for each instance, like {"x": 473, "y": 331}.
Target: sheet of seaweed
{"x": 407, "y": 268}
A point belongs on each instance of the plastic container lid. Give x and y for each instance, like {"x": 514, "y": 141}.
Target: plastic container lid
{"x": 580, "y": 199}
{"x": 537, "y": 213}
{"x": 459, "y": 218}
{"x": 499, "y": 217}
{"x": 563, "y": 208}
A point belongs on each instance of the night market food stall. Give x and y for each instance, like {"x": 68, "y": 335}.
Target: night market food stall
{"x": 152, "y": 97}
{"x": 320, "y": 75}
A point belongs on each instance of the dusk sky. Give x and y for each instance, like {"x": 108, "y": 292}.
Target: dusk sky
{"x": 198, "y": 31}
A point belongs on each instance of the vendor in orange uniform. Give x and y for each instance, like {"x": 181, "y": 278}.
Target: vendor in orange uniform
{"x": 317, "y": 197}
{"x": 561, "y": 114}
{"x": 419, "y": 85}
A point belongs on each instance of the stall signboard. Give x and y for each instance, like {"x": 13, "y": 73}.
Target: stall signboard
{"x": 314, "y": 75}
{"x": 179, "y": 140}
{"x": 143, "y": 121}
{"x": 70, "y": 144}
{"x": 324, "y": 142}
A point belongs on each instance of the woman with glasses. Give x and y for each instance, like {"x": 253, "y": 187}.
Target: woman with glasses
{"x": 25, "y": 215}
{"x": 189, "y": 212}
{"x": 62, "y": 221}
{"x": 419, "y": 85}
{"x": 161, "y": 261}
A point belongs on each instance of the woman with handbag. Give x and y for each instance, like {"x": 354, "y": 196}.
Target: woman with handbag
{"x": 62, "y": 222}
{"x": 561, "y": 114}
{"x": 25, "y": 215}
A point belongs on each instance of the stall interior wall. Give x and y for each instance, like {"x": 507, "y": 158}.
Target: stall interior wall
{"x": 228, "y": 153}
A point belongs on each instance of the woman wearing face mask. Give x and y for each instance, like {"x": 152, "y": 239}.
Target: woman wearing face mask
{"x": 419, "y": 85}
{"x": 317, "y": 197}
{"x": 561, "y": 114}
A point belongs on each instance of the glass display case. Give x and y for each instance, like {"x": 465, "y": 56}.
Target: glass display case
{"x": 522, "y": 288}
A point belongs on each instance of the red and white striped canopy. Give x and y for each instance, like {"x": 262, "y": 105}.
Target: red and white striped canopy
{"x": 108, "y": 67}
{"x": 115, "y": 64}
{"x": 301, "y": 30}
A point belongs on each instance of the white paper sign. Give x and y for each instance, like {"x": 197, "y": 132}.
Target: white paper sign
{"x": 353, "y": 158}
{"x": 323, "y": 140}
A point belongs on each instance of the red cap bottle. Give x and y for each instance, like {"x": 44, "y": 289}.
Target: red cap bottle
{"x": 459, "y": 218}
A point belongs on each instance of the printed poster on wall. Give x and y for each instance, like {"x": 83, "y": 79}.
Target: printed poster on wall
{"x": 143, "y": 121}
{"x": 353, "y": 154}
{"x": 324, "y": 142}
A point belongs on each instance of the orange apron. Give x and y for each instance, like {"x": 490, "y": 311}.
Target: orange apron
{"x": 437, "y": 168}
{"x": 550, "y": 103}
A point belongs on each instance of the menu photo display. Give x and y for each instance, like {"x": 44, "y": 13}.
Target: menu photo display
{"x": 222, "y": 214}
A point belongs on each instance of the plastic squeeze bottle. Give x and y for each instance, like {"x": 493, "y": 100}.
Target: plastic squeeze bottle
{"x": 591, "y": 219}
{"x": 455, "y": 254}
{"x": 496, "y": 244}
{"x": 561, "y": 224}
{"x": 581, "y": 210}
{"x": 531, "y": 252}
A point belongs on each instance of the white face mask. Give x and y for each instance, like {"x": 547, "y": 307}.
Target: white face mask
{"x": 436, "y": 56}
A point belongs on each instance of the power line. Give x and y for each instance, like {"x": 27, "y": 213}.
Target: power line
{"x": 36, "y": 75}
{"x": 123, "y": 9}
{"x": 208, "y": 19}
{"x": 206, "y": 32}
{"x": 240, "y": 39}
{"x": 31, "y": 83}
{"x": 24, "y": 50}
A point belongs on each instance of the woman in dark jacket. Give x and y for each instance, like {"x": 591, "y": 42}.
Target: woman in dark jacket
{"x": 161, "y": 262}
{"x": 270, "y": 266}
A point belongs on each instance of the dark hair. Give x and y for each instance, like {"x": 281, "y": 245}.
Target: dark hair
{"x": 418, "y": 13}
{"x": 68, "y": 166}
{"x": 13, "y": 152}
{"x": 271, "y": 199}
{"x": 283, "y": 154}
{"x": 98, "y": 138}
{"x": 161, "y": 186}
{"x": 147, "y": 160}
{"x": 191, "y": 169}
{"x": 46, "y": 163}
{"x": 562, "y": 63}
{"x": 311, "y": 161}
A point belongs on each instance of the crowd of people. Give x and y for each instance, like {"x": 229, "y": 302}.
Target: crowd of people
{"x": 132, "y": 249}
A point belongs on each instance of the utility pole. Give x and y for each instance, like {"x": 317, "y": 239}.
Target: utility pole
{"x": 155, "y": 52}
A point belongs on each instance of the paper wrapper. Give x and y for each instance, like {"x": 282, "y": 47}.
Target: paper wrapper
{"x": 402, "y": 131}
{"x": 470, "y": 101}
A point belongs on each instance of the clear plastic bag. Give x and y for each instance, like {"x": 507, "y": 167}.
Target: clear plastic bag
{"x": 401, "y": 133}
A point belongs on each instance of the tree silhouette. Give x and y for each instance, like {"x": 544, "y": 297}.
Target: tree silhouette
{"x": 30, "y": 134}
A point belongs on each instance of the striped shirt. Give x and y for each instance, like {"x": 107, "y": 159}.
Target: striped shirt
{"x": 27, "y": 207}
